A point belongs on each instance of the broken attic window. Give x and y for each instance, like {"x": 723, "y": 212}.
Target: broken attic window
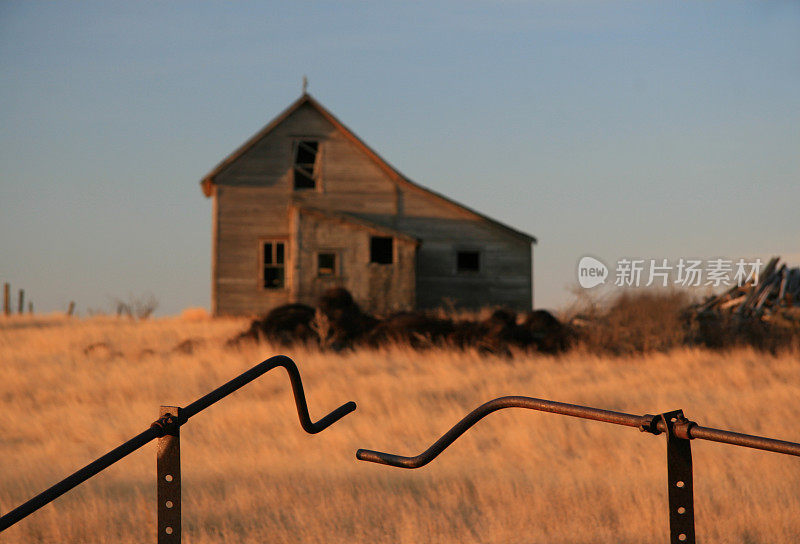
{"x": 305, "y": 164}
{"x": 380, "y": 250}
{"x": 468, "y": 261}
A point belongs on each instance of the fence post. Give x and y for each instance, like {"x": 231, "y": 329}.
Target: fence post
{"x": 6, "y": 299}
{"x": 679, "y": 478}
{"x": 21, "y": 305}
{"x": 71, "y": 308}
{"x": 30, "y": 307}
{"x": 168, "y": 473}
{"x": 680, "y": 484}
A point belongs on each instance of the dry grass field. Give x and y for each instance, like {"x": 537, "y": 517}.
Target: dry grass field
{"x": 250, "y": 474}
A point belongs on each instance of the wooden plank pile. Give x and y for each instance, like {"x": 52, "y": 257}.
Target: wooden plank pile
{"x": 778, "y": 289}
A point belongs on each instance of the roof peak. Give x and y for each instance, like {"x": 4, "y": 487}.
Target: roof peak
{"x": 306, "y": 98}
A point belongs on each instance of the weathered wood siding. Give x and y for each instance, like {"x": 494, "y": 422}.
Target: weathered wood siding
{"x": 504, "y": 277}
{"x": 245, "y": 217}
{"x": 254, "y": 198}
{"x": 378, "y": 288}
{"x": 268, "y": 163}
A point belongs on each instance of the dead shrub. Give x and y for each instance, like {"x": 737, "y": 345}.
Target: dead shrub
{"x": 141, "y": 307}
{"x": 634, "y": 323}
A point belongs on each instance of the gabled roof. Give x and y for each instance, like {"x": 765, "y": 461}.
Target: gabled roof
{"x": 208, "y": 181}
{"x": 353, "y": 220}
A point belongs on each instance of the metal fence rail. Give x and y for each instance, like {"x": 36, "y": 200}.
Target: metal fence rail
{"x": 680, "y": 431}
{"x": 166, "y": 428}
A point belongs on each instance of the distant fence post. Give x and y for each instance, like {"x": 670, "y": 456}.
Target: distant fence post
{"x": 71, "y": 308}
{"x": 168, "y": 472}
{"x": 21, "y": 305}
{"x": 30, "y": 307}
{"x": 6, "y": 299}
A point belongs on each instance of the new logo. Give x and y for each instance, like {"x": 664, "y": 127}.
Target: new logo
{"x": 591, "y": 272}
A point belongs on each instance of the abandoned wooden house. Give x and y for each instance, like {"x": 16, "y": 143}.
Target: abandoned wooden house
{"x": 305, "y": 205}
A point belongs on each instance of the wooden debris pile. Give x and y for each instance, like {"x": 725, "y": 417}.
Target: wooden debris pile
{"x": 777, "y": 290}
{"x": 338, "y": 323}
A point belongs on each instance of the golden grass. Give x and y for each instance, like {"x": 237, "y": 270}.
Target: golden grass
{"x": 250, "y": 474}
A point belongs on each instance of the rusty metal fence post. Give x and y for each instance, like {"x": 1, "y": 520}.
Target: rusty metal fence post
{"x": 168, "y": 476}
{"x": 680, "y": 480}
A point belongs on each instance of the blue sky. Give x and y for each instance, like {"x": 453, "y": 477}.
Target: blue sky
{"x": 613, "y": 129}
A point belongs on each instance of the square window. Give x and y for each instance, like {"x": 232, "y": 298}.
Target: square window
{"x": 468, "y": 261}
{"x": 380, "y": 250}
{"x": 326, "y": 264}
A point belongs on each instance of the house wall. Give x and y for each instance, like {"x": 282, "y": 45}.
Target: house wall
{"x": 245, "y": 217}
{"x": 378, "y": 288}
{"x": 504, "y": 276}
{"x": 253, "y": 199}
{"x": 268, "y": 163}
